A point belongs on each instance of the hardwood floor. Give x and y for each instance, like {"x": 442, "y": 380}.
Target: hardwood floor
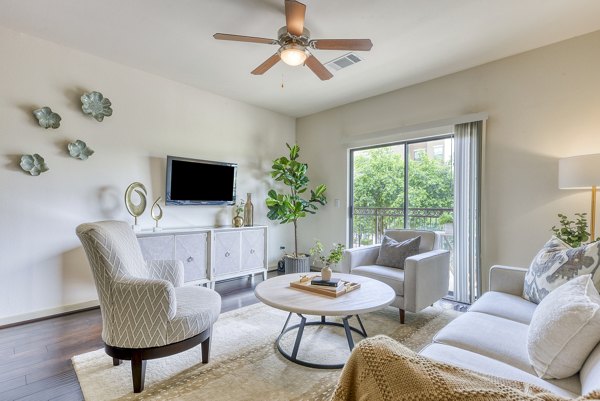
{"x": 35, "y": 358}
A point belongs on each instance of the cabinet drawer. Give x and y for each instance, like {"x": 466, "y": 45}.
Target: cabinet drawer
{"x": 159, "y": 247}
{"x": 191, "y": 250}
{"x": 227, "y": 252}
{"x": 253, "y": 249}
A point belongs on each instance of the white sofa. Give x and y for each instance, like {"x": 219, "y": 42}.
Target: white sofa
{"x": 491, "y": 338}
{"x": 424, "y": 279}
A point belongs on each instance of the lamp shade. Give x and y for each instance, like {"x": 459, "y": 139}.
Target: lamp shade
{"x": 579, "y": 172}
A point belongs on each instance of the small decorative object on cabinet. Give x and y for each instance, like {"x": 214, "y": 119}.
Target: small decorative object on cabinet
{"x": 238, "y": 220}
{"x": 33, "y": 164}
{"x": 136, "y": 210}
{"x": 96, "y": 105}
{"x": 47, "y": 118}
{"x": 156, "y": 216}
{"x": 79, "y": 150}
{"x": 249, "y": 211}
{"x": 334, "y": 257}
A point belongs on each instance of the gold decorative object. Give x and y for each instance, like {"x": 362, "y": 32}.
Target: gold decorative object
{"x": 248, "y": 211}
{"x": 156, "y": 216}
{"x": 238, "y": 220}
{"x": 136, "y": 210}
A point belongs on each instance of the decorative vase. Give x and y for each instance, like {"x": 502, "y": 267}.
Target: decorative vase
{"x": 248, "y": 211}
{"x": 326, "y": 273}
{"x": 238, "y": 221}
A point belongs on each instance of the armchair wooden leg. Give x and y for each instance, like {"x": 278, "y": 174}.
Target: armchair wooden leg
{"x": 205, "y": 350}
{"x": 401, "y": 316}
{"x": 138, "y": 372}
{"x": 116, "y": 362}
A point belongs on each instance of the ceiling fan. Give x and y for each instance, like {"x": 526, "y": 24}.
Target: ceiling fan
{"x": 294, "y": 41}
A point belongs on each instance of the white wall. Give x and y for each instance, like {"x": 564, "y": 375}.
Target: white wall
{"x": 42, "y": 266}
{"x": 543, "y": 105}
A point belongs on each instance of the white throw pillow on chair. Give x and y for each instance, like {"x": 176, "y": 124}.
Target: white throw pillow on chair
{"x": 564, "y": 329}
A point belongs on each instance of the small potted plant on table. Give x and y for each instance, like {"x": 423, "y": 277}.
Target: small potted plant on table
{"x": 334, "y": 257}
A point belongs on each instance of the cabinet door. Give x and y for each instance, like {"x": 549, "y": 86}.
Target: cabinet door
{"x": 160, "y": 247}
{"x": 191, "y": 250}
{"x": 227, "y": 252}
{"x": 253, "y": 249}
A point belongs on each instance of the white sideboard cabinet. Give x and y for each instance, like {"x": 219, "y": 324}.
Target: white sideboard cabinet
{"x": 210, "y": 254}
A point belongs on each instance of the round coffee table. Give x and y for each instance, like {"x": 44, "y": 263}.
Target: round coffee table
{"x": 277, "y": 293}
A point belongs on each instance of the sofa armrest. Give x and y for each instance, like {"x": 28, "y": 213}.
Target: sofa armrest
{"x": 507, "y": 279}
{"x": 170, "y": 270}
{"x": 426, "y": 277}
{"x": 140, "y": 304}
{"x": 361, "y": 256}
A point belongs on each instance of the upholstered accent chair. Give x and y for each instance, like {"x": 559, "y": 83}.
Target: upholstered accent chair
{"x": 146, "y": 311}
{"x": 424, "y": 279}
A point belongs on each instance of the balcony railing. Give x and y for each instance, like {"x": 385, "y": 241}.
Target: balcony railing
{"x": 369, "y": 223}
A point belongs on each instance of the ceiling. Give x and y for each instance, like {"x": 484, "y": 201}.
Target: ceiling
{"x": 414, "y": 40}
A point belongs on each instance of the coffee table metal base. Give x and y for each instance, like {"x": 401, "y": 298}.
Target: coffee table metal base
{"x": 323, "y": 322}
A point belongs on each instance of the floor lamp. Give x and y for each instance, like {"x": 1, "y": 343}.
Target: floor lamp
{"x": 581, "y": 172}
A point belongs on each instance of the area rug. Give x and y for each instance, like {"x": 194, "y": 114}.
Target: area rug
{"x": 245, "y": 363}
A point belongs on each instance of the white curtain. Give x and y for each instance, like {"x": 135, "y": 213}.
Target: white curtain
{"x": 468, "y": 142}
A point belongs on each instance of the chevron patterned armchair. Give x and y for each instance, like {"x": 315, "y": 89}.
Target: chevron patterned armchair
{"x": 146, "y": 311}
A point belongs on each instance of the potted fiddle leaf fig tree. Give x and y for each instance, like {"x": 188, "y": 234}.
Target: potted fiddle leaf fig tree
{"x": 291, "y": 205}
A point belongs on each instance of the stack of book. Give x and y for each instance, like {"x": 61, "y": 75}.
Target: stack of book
{"x": 331, "y": 288}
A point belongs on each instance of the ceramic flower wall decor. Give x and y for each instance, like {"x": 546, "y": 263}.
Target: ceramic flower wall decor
{"x": 96, "y": 105}
{"x": 47, "y": 118}
{"x": 33, "y": 164}
{"x": 79, "y": 150}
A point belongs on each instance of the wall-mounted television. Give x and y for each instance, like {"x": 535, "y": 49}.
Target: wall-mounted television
{"x": 200, "y": 182}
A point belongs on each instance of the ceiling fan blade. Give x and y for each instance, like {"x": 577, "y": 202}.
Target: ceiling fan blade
{"x": 318, "y": 68}
{"x": 342, "y": 44}
{"x": 294, "y": 17}
{"x": 240, "y": 38}
{"x": 264, "y": 67}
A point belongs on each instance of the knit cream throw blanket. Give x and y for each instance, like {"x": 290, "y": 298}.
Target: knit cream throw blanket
{"x": 381, "y": 368}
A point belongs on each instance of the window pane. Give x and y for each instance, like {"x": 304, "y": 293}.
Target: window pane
{"x": 378, "y": 193}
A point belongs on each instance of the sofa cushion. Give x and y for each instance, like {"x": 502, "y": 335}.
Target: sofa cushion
{"x": 429, "y": 239}
{"x": 504, "y": 305}
{"x": 590, "y": 372}
{"x": 197, "y": 309}
{"x": 389, "y": 275}
{"x": 491, "y": 336}
{"x": 393, "y": 253}
{"x": 569, "y": 387}
{"x": 565, "y": 328}
{"x": 556, "y": 263}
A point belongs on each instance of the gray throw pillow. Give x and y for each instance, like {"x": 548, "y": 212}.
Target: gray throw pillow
{"x": 393, "y": 253}
{"x": 556, "y": 263}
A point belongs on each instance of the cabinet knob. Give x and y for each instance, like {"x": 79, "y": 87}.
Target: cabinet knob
{"x": 252, "y": 251}
{"x": 190, "y": 259}
{"x": 227, "y": 254}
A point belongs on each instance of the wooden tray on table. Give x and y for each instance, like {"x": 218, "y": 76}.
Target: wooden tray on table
{"x": 332, "y": 292}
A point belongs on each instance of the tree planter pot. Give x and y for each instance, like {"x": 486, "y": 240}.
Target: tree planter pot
{"x": 300, "y": 264}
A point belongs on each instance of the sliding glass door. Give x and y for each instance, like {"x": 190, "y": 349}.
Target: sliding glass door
{"x": 403, "y": 185}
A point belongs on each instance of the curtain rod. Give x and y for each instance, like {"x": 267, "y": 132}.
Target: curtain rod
{"x": 430, "y": 125}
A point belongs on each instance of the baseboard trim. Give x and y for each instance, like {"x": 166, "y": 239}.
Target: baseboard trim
{"x": 31, "y": 317}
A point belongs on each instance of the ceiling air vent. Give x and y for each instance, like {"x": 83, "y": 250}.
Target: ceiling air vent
{"x": 342, "y": 62}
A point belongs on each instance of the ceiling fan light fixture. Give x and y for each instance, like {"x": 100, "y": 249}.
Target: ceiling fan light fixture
{"x": 293, "y": 54}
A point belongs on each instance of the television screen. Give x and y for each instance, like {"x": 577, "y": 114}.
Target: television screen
{"x": 200, "y": 182}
